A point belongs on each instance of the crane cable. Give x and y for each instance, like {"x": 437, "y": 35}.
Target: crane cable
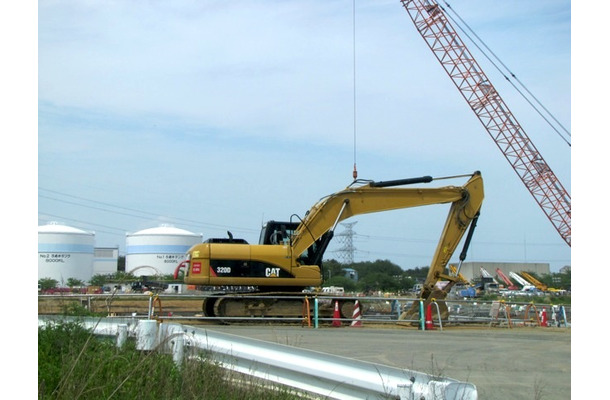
{"x": 355, "y": 172}
{"x": 509, "y": 72}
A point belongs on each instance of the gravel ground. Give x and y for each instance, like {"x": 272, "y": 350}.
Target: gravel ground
{"x": 524, "y": 363}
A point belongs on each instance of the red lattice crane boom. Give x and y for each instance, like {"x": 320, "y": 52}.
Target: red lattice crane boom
{"x": 494, "y": 114}
{"x": 509, "y": 284}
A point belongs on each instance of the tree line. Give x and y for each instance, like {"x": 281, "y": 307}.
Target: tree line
{"x": 385, "y": 276}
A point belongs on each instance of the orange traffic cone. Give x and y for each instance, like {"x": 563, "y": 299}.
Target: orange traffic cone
{"x": 429, "y": 322}
{"x": 337, "y": 315}
{"x": 356, "y": 321}
{"x": 543, "y": 320}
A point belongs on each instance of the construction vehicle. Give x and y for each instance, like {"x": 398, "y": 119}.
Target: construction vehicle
{"x": 463, "y": 287}
{"x": 288, "y": 257}
{"x": 460, "y": 65}
{"x": 539, "y": 285}
{"x": 509, "y": 284}
{"x": 461, "y": 278}
{"x": 488, "y": 283}
{"x": 525, "y": 285}
{"x": 488, "y": 276}
{"x": 146, "y": 285}
{"x": 468, "y": 292}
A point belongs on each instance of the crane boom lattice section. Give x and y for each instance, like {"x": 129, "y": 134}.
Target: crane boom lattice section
{"x": 493, "y": 113}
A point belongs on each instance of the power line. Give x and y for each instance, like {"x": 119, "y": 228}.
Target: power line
{"x": 131, "y": 212}
{"x": 61, "y": 218}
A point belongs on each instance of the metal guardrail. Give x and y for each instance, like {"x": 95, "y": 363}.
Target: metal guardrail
{"x": 320, "y": 374}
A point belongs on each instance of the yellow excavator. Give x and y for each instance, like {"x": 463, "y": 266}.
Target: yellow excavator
{"x": 288, "y": 258}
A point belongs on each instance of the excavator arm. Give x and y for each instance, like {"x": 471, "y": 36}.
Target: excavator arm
{"x": 384, "y": 196}
{"x": 368, "y": 198}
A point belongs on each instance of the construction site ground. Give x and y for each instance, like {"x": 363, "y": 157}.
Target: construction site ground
{"x": 524, "y": 363}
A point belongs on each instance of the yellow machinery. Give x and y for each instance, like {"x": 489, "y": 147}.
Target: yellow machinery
{"x": 461, "y": 278}
{"x": 288, "y": 258}
{"x": 539, "y": 285}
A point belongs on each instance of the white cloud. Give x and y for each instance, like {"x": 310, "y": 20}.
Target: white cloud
{"x": 239, "y": 110}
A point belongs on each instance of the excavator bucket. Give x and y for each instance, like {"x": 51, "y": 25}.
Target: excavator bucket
{"x": 412, "y": 315}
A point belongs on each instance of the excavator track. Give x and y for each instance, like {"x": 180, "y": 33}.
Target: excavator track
{"x": 285, "y": 307}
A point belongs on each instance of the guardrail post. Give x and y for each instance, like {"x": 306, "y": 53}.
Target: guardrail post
{"x": 315, "y": 313}
{"x": 150, "y": 305}
{"x": 562, "y": 312}
{"x": 396, "y": 308}
{"x": 405, "y": 391}
{"x": 422, "y": 318}
{"x": 146, "y": 334}
{"x": 178, "y": 349}
{"x": 121, "y": 335}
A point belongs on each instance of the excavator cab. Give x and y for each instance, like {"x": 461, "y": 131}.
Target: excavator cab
{"x": 275, "y": 232}
{"x": 280, "y": 233}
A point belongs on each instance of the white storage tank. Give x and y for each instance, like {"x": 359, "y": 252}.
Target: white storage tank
{"x": 65, "y": 252}
{"x": 157, "y": 251}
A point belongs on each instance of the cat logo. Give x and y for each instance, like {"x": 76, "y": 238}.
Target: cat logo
{"x": 272, "y": 272}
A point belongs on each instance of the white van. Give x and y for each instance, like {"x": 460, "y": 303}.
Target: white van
{"x": 336, "y": 290}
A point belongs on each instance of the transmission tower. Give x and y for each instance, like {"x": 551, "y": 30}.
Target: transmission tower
{"x": 346, "y": 239}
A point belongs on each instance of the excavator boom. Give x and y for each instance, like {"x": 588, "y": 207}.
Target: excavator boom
{"x": 374, "y": 197}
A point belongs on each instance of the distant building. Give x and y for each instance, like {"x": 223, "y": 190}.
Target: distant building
{"x": 105, "y": 260}
{"x": 351, "y": 274}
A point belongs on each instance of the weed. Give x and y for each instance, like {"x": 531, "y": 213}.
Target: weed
{"x": 538, "y": 389}
{"x": 75, "y": 364}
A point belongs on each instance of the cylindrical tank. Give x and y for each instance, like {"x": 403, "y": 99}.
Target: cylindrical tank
{"x": 65, "y": 252}
{"x": 157, "y": 251}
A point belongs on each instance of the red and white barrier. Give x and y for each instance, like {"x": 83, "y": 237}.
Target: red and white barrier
{"x": 356, "y": 318}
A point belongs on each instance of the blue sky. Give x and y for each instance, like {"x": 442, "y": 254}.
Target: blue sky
{"x": 215, "y": 116}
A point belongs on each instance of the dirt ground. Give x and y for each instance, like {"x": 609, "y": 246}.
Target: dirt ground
{"x": 119, "y": 305}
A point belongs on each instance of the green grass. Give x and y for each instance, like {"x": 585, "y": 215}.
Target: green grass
{"x": 75, "y": 364}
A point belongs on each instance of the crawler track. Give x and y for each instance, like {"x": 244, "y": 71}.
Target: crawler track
{"x": 275, "y": 305}
{"x": 216, "y": 308}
